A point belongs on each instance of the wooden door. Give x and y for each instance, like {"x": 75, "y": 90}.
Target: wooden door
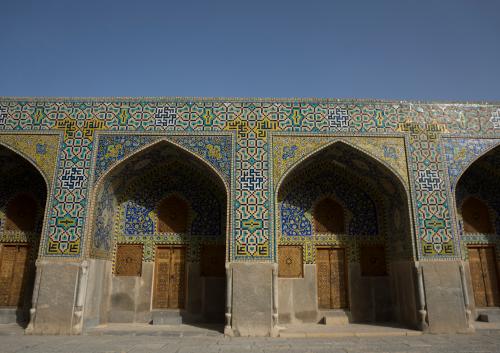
{"x": 332, "y": 284}
{"x": 169, "y": 282}
{"x": 13, "y": 274}
{"x": 482, "y": 263}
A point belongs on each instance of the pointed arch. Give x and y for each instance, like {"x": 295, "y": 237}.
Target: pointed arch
{"x": 132, "y": 205}
{"x": 397, "y": 184}
{"x": 24, "y": 202}
{"x": 43, "y": 204}
{"x": 343, "y": 141}
{"x": 472, "y": 161}
{"x": 112, "y": 168}
{"x": 375, "y": 201}
{"x": 104, "y": 181}
{"x": 476, "y": 195}
{"x": 367, "y": 155}
{"x": 29, "y": 160}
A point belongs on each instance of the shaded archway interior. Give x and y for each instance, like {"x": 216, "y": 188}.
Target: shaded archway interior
{"x": 158, "y": 215}
{"x": 478, "y": 204}
{"x": 23, "y": 195}
{"x": 346, "y": 208}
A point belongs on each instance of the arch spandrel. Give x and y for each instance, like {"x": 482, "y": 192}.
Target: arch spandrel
{"x": 461, "y": 153}
{"x": 215, "y": 150}
{"x": 39, "y": 150}
{"x": 290, "y": 151}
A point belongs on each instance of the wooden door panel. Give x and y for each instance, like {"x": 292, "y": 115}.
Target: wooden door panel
{"x": 7, "y": 260}
{"x": 477, "y": 277}
{"x": 128, "y": 260}
{"x": 337, "y": 279}
{"x": 331, "y": 273}
{"x": 18, "y": 276}
{"x": 162, "y": 277}
{"x": 290, "y": 261}
{"x": 169, "y": 278}
{"x": 323, "y": 274}
{"x": 488, "y": 265}
{"x": 13, "y": 270}
{"x": 176, "y": 291}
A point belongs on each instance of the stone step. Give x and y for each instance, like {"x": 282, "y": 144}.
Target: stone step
{"x": 167, "y": 317}
{"x": 335, "y": 317}
{"x": 8, "y": 315}
{"x": 488, "y": 315}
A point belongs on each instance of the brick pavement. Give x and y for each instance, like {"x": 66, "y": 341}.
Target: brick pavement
{"x": 205, "y": 342}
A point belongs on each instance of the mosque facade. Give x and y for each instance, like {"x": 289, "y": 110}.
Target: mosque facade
{"x": 251, "y": 213}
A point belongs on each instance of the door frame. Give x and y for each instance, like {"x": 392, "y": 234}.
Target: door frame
{"x": 484, "y": 246}
{"x": 153, "y": 278}
{"x": 346, "y": 275}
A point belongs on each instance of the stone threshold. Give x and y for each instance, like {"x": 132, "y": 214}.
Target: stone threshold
{"x": 487, "y": 326}
{"x": 136, "y": 329}
{"x": 348, "y": 330}
{"x": 11, "y": 330}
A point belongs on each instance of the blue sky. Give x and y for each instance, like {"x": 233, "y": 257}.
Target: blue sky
{"x": 430, "y": 50}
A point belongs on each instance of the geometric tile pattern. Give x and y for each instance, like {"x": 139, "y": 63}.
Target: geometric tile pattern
{"x": 432, "y": 214}
{"x": 3, "y": 115}
{"x": 252, "y": 123}
{"x": 69, "y": 202}
{"x": 137, "y": 207}
{"x": 296, "y": 209}
{"x": 495, "y": 119}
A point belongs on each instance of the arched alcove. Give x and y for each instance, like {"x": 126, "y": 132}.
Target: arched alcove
{"x": 478, "y": 206}
{"x": 162, "y": 212}
{"x": 328, "y": 217}
{"x": 22, "y": 213}
{"x": 23, "y": 193}
{"x": 173, "y": 215}
{"x": 341, "y": 210}
{"x": 476, "y": 216}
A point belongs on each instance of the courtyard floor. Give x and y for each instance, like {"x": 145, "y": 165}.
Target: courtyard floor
{"x": 207, "y": 340}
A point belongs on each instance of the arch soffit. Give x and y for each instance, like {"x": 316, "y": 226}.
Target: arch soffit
{"x": 30, "y": 161}
{"x": 474, "y": 160}
{"x": 113, "y": 167}
{"x": 26, "y": 146}
{"x": 371, "y": 190}
{"x": 345, "y": 210}
{"x": 366, "y": 186}
{"x": 491, "y": 212}
{"x": 316, "y": 151}
{"x": 171, "y": 195}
